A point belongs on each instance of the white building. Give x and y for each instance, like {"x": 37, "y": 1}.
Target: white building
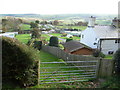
{"x": 104, "y": 38}
{"x": 9, "y": 34}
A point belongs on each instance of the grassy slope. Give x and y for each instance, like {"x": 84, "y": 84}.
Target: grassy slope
{"x": 46, "y": 57}
{"x": 74, "y": 27}
{"x": 25, "y": 27}
{"x": 23, "y": 38}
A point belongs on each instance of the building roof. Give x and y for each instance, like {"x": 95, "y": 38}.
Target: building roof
{"x": 106, "y": 31}
{"x": 74, "y": 45}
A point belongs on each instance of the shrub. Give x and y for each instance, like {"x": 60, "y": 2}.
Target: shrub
{"x": 53, "y": 41}
{"x": 18, "y": 63}
{"x": 117, "y": 61}
{"x": 97, "y": 53}
{"x": 35, "y": 43}
{"x": 69, "y": 39}
{"x": 35, "y": 33}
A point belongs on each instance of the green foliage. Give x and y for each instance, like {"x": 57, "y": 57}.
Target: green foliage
{"x": 23, "y": 38}
{"x": 61, "y": 46}
{"x": 11, "y": 24}
{"x": 33, "y": 25}
{"x": 112, "y": 82}
{"x": 53, "y": 41}
{"x": 37, "y": 21}
{"x": 35, "y": 43}
{"x": 69, "y": 39}
{"x": 117, "y": 61}
{"x": 35, "y": 33}
{"x": 25, "y": 27}
{"x": 19, "y": 64}
{"x": 97, "y": 53}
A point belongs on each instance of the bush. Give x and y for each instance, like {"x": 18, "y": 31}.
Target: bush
{"x": 35, "y": 33}
{"x": 19, "y": 64}
{"x": 53, "y": 41}
{"x": 97, "y": 53}
{"x": 117, "y": 61}
{"x": 35, "y": 43}
{"x": 69, "y": 39}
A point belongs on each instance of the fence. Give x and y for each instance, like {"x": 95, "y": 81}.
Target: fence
{"x": 105, "y": 66}
{"x": 65, "y": 72}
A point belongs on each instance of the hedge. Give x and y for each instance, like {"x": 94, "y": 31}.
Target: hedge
{"x": 19, "y": 63}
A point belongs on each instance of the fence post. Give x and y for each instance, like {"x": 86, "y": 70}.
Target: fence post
{"x": 98, "y": 67}
{"x": 38, "y": 72}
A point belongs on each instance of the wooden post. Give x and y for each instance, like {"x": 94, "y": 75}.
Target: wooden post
{"x": 38, "y": 72}
{"x": 98, "y": 67}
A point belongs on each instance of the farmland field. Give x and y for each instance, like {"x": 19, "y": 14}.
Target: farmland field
{"x": 23, "y": 38}
{"x": 46, "y": 57}
{"x": 25, "y": 27}
{"x": 73, "y": 27}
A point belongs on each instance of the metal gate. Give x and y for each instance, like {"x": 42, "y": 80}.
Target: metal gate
{"x": 69, "y": 71}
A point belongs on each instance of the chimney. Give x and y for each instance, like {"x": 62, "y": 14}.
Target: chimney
{"x": 91, "y": 22}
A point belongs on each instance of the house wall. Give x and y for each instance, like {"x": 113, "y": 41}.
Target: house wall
{"x": 88, "y": 37}
{"x": 109, "y": 45}
{"x": 83, "y": 51}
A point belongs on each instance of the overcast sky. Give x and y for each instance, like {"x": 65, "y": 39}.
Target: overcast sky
{"x": 59, "y": 6}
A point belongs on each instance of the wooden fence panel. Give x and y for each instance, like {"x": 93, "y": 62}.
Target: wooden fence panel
{"x": 105, "y": 66}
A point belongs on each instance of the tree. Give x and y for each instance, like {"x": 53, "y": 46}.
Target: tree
{"x": 35, "y": 33}
{"x": 11, "y": 23}
{"x": 98, "y": 53}
{"x": 18, "y": 63}
{"x": 53, "y": 41}
{"x": 33, "y": 25}
{"x": 117, "y": 61}
{"x": 55, "y": 22}
{"x": 44, "y": 22}
{"x": 69, "y": 39}
{"x": 37, "y": 21}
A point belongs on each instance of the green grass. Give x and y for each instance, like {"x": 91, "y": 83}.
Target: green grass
{"x": 25, "y": 27}
{"x": 73, "y": 27}
{"x": 46, "y": 36}
{"x": 23, "y": 38}
{"x": 112, "y": 82}
{"x": 74, "y": 38}
{"x": 59, "y": 35}
{"x": 46, "y": 57}
{"x": 109, "y": 57}
{"x": 56, "y": 34}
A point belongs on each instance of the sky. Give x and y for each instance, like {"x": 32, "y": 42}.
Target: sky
{"x": 59, "y": 6}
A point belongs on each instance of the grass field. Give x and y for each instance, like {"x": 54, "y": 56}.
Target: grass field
{"x": 73, "y": 27}
{"x": 59, "y": 35}
{"x": 23, "y": 38}
{"x": 25, "y": 27}
{"x": 109, "y": 57}
{"x": 46, "y": 57}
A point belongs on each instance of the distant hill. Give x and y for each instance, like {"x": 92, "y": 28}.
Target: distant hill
{"x": 101, "y": 19}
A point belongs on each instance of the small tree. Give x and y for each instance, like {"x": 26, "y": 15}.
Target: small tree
{"x": 69, "y": 39}
{"x": 53, "y": 41}
{"x": 35, "y": 33}
{"x": 33, "y": 25}
{"x": 37, "y": 21}
{"x": 97, "y": 53}
{"x": 18, "y": 63}
{"x": 117, "y": 61}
